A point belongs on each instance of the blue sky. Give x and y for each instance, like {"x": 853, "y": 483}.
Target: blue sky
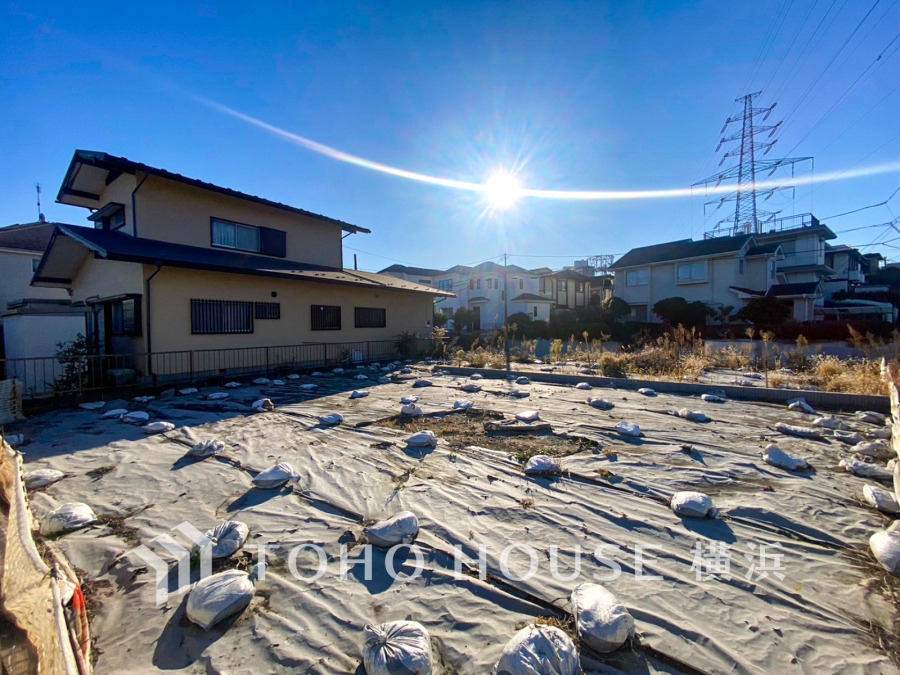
{"x": 577, "y": 96}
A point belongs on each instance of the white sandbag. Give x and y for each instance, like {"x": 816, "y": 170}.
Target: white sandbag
{"x": 868, "y": 416}
{"x": 422, "y": 439}
{"x": 143, "y": 399}
{"x": 832, "y": 423}
{"x": 275, "y": 477}
{"x": 881, "y": 499}
{"x": 754, "y": 376}
{"x": 396, "y": 648}
{"x": 800, "y": 432}
{"x": 361, "y": 377}
{"x": 519, "y": 393}
{"x": 293, "y": 376}
{"x": 207, "y": 448}
{"x": 462, "y": 404}
{"x": 876, "y": 449}
{"x": 600, "y": 403}
{"x": 692, "y": 504}
{"x": 227, "y": 538}
{"x": 583, "y": 385}
{"x": 221, "y": 595}
{"x": 42, "y": 478}
{"x": 278, "y": 383}
{"x": 848, "y": 437}
{"x": 471, "y": 388}
{"x": 692, "y": 415}
{"x": 406, "y": 371}
{"x": 330, "y": 420}
{"x": 601, "y": 621}
{"x": 476, "y": 376}
{"x": 359, "y": 394}
{"x": 158, "y": 427}
{"x": 628, "y": 429}
{"x": 402, "y": 528}
{"x": 263, "y": 405}
{"x": 136, "y": 417}
{"x": 406, "y": 400}
{"x": 528, "y": 416}
{"x": 316, "y": 373}
{"x": 66, "y": 518}
{"x": 262, "y": 380}
{"x": 384, "y": 380}
{"x": 308, "y": 387}
{"x": 646, "y": 391}
{"x": 411, "y": 410}
{"x": 542, "y": 465}
{"x": 777, "y": 457}
{"x": 885, "y": 547}
{"x": 712, "y": 398}
{"x": 800, "y": 405}
{"x": 93, "y": 405}
{"x": 523, "y": 380}
{"x": 421, "y": 383}
{"x": 232, "y": 385}
{"x": 115, "y": 413}
{"x": 187, "y": 391}
{"x": 539, "y": 650}
{"x": 865, "y": 469}
{"x": 883, "y": 434}
{"x": 218, "y": 396}
{"x": 337, "y": 371}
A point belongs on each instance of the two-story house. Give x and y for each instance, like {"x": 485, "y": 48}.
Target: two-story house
{"x": 566, "y": 289}
{"x": 175, "y": 265}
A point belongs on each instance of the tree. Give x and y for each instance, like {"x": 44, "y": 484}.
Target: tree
{"x": 675, "y": 311}
{"x": 519, "y": 324}
{"x": 463, "y": 319}
{"x": 617, "y": 308}
{"x": 441, "y": 319}
{"x": 765, "y": 312}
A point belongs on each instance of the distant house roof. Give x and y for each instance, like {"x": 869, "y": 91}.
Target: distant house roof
{"x": 27, "y": 236}
{"x": 746, "y": 291}
{"x": 416, "y": 271}
{"x": 568, "y": 274}
{"x": 531, "y": 297}
{"x": 119, "y": 246}
{"x": 491, "y": 267}
{"x": 86, "y": 185}
{"x": 678, "y": 250}
{"x": 790, "y": 290}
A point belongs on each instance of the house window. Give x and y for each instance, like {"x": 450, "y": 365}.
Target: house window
{"x": 489, "y": 283}
{"x": 543, "y": 285}
{"x": 772, "y": 269}
{"x": 369, "y": 317}
{"x": 521, "y": 284}
{"x": 741, "y": 266}
{"x": 265, "y": 240}
{"x": 639, "y": 312}
{"x": 534, "y": 312}
{"x": 325, "y": 317}
{"x": 425, "y": 282}
{"x": 478, "y": 284}
{"x": 580, "y": 288}
{"x": 637, "y": 277}
{"x": 267, "y": 310}
{"x": 691, "y": 272}
{"x": 126, "y": 317}
{"x": 445, "y": 285}
{"x": 561, "y": 285}
{"x": 214, "y": 317}
{"x": 471, "y": 284}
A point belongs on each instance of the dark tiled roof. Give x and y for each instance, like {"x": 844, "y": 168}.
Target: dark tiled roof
{"x": 119, "y": 246}
{"x": 119, "y": 165}
{"x": 530, "y": 297}
{"x": 403, "y": 269}
{"x": 805, "y": 288}
{"x": 569, "y": 274}
{"x": 678, "y": 250}
{"x": 480, "y": 298}
{"x": 746, "y": 291}
{"x": 27, "y": 236}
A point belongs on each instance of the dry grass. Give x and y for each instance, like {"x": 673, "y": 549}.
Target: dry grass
{"x": 855, "y": 376}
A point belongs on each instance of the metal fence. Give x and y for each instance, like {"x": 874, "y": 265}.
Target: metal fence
{"x": 78, "y": 374}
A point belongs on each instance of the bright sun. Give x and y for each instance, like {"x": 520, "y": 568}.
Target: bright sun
{"x": 502, "y": 190}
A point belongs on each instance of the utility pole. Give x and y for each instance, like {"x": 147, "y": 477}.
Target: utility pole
{"x": 506, "y": 311}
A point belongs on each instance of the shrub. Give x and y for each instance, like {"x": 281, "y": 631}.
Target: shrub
{"x": 678, "y": 311}
{"x": 765, "y": 312}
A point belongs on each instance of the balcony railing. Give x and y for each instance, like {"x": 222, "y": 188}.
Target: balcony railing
{"x": 797, "y": 222}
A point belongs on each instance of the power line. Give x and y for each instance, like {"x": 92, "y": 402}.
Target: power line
{"x": 863, "y": 208}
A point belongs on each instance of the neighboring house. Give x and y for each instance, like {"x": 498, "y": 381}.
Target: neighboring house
{"x": 32, "y": 320}
{"x": 566, "y": 289}
{"x": 175, "y": 265}
{"x": 481, "y": 289}
{"x": 848, "y": 265}
{"x": 419, "y": 275}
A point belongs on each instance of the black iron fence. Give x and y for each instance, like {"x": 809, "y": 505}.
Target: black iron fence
{"x": 78, "y": 374}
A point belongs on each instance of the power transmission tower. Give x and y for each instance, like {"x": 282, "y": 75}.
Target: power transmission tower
{"x": 748, "y": 218}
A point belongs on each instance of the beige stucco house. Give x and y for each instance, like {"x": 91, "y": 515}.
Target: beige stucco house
{"x": 174, "y": 265}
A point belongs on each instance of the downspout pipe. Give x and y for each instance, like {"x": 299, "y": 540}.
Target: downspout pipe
{"x": 134, "y": 221}
{"x": 149, "y": 307}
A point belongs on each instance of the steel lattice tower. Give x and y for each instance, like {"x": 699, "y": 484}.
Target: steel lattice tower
{"x": 748, "y": 219}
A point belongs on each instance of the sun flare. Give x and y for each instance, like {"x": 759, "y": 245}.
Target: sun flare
{"x": 502, "y": 190}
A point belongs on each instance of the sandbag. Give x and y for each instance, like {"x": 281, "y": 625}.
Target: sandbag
{"x": 330, "y": 420}
{"x": 523, "y": 380}
{"x": 712, "y": 398}
{"x": 227, "y": 538}
{"x": 115, "y": 413}
{"x": 830, "y": 423}
{"x": 692, "y": 415}
{"x": 882, "y": 434}
{"x": 800, "y": 432}
{"x": 67, "y": 518}
{"x": 188, "y": 391}
{"x": 262, "y": 380}
{"x": 646, "y": 391}
{"x": 42, "y": 478}
{"x": 361, "y": 377}
{"x": 136, "y": 417}
{"x": 528, "y": 416}
{"x": 692, "y": 504}
{"x": 263, "y": 405}
{"x": 600, "y": 403}
{"x": 848, "y": 437}
{"x": 885, "y": 546}
{"x": 462, "y": 404}
{"x": 157, "y": 427}
{"x": 800, "y": 405}
{"x": 92, "y": 405}
{"x": 397, "y": 648}
{"x": 207, "y": 449}
{"x": 384, "y": 380}
{"x": 542, "y": 465}
{"x": 471, "y": 388}
{"x": 870, "y": 417}
{"x": 411, "y": 410}
{"x": 293, "y": 376}
{"x": 274, "y": 477}
{"x": 402, "y": 528}
{"x": 218, "y": 396}
{"x": 881, "y": 499}
{"x": 421, "y": 383}
{"x": 279, "y": 383}
{"x": 876, "y": 449}
{"x": 777, "y": 457}
{"x": 232, "y": 385}
{"x": 308, "y": 387}
{"x": 476, "y": 376}
{"x": 221, "y": 595}
{"x": 539, "y": 650}
{"x": 143, "y": 399}
{"x": 406, "y": 400}
{"x": 583, "y": 385}
{"x": 337, "y": 371}
{"x": 865, "y": 470}
{"x": 359, "y": 394}
{"x": 422, "y": 439}
{"x": 519, "y": 393}
{"x": 601, "y": 621}
{"x": 628, "y": 429}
